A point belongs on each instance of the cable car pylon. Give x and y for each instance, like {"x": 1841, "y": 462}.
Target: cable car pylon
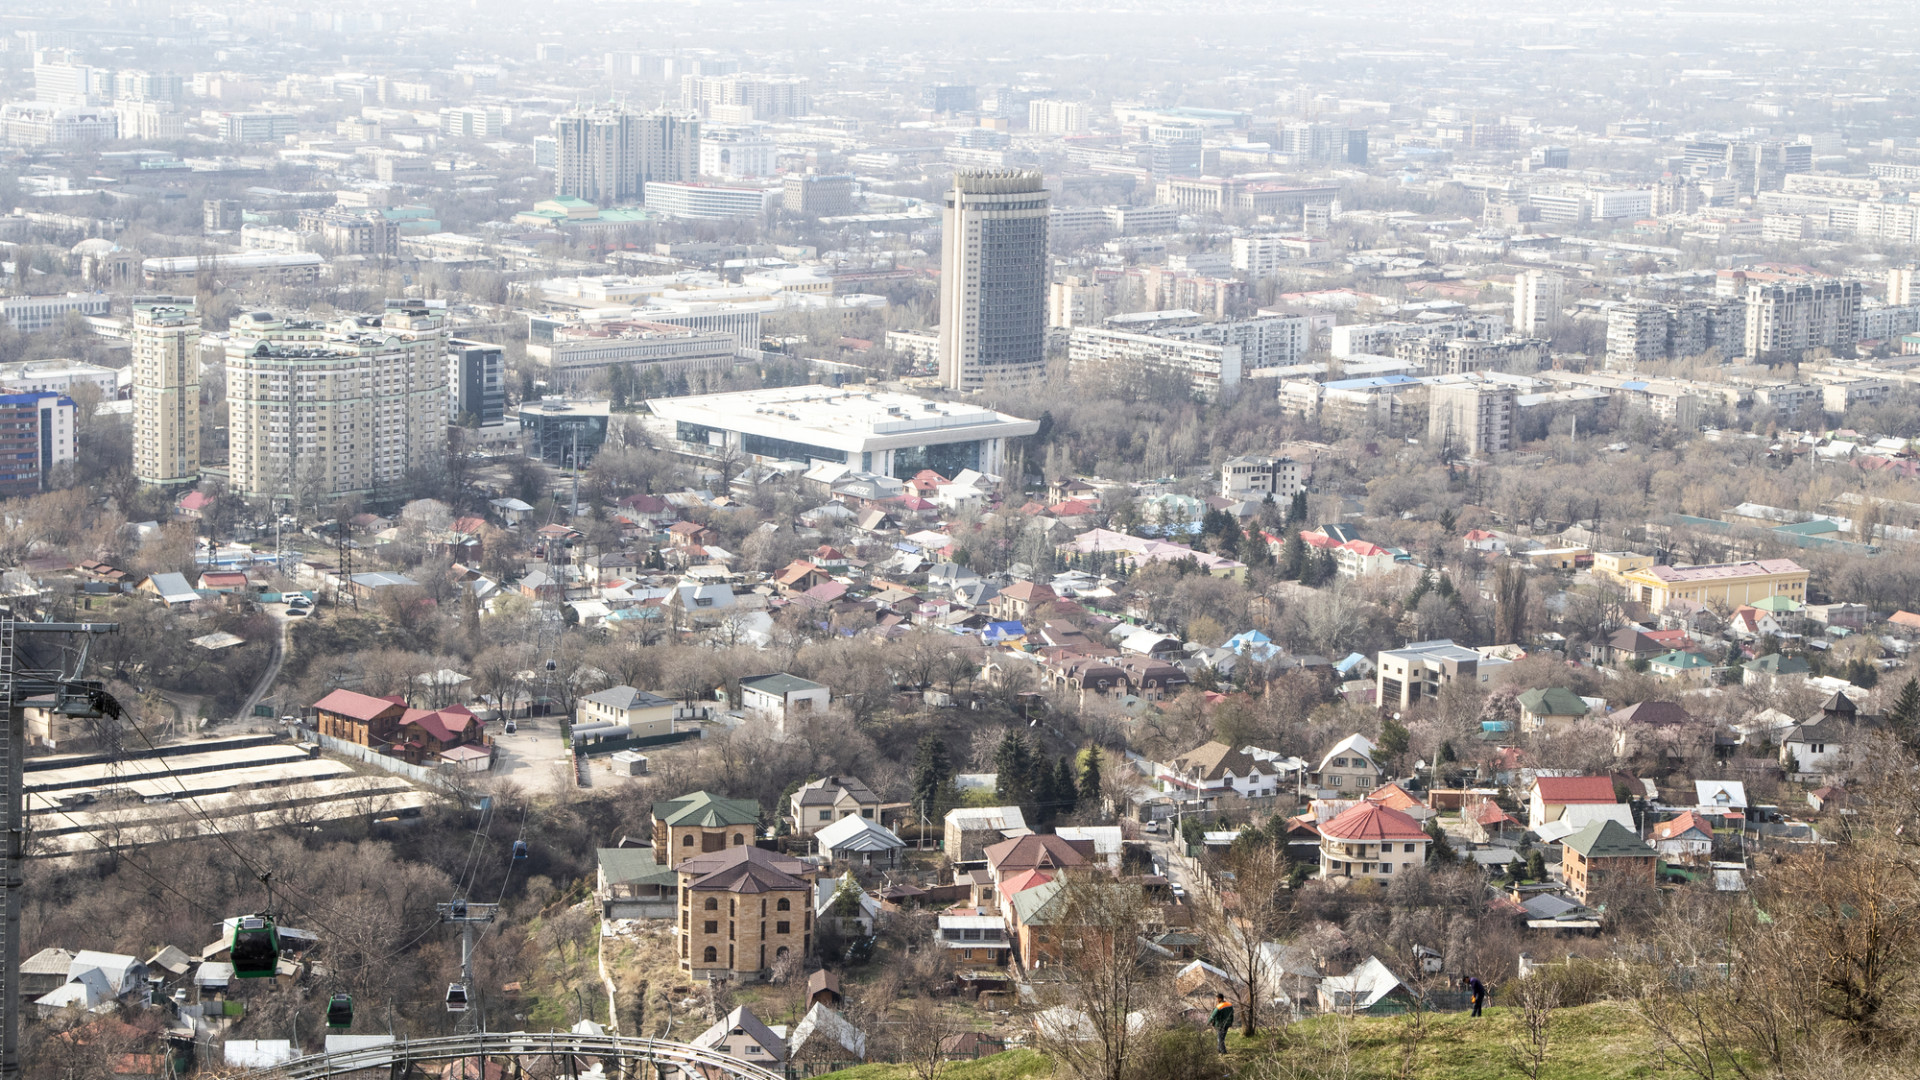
{"x": 468, "y": 915}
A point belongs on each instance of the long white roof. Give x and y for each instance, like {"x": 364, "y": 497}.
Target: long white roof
{"x": 843, "y": 419}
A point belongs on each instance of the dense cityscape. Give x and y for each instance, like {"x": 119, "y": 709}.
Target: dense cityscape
{"x": 1363, "y": 543}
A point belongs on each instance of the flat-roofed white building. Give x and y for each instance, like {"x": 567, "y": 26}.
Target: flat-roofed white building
{"x": 58, "y": 377}
{"x": 687, "y": 199}
{"x": 30, "y": 314}
{"x": 891, "y": 434}
{"x": 650, "y": 344}
{"x": 1210, "y": 371}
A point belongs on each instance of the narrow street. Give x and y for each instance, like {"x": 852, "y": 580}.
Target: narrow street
{"x": 279, "y": 658}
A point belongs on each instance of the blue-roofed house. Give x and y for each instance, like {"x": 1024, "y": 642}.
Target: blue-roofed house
{"x": 1354, "y": 666}
{"x": 1003, "y": 633}
{"x": 1253, "y": 645}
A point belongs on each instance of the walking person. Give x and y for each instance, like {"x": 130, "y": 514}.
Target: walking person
{"x": 1222, "y": 1019}
{"x": 1479, "y": 991}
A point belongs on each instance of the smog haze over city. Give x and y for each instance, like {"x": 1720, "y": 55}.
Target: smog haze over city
{"x": 994, "y": 541}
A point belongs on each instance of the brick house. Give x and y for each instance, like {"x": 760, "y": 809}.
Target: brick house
{"x": 701, "y": 824}
{"x": 1600, "y": 851}
{"x": 741, "y": 910}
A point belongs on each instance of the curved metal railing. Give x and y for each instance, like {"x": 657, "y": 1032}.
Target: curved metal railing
{"x": 404, "y": 1052}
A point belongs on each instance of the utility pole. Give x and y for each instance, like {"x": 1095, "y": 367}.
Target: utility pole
{"x": 72, "y": 698}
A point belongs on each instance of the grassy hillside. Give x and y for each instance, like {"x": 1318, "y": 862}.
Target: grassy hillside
{"x": 1593, "y": 1042}
{"x": 1012, "y": 1065}
{"x": 1603, "y": 1041}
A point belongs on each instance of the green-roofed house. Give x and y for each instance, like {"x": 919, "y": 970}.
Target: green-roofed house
{"x": 1767, "y": 671}
{"x": 1681, "y": 665}
{"x": 632, "y": 886}
{"x": 1549, "y": 707}
{"x": 701, "y": 823}
{"x": 1602, "y": 850}
{"x": 1041, "y": 914}
{"x": 1778, "y": 604}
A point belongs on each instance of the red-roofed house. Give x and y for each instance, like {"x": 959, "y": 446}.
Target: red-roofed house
{"x": 223, "y": 581}
{"x": 425, "y": 735}
{"x": 1486, "y": 821}
{"x": 1685, "y": 839}
{"x": 1553, "y": 794}
{"x": 1021, "y": 882}
{"x": 1371, "y": 841}
{"x": 1395, "y": 797}
{"x": 194, "y": 504}
{"x": 359, "y": 718}
{"x": 1358, "y": 558}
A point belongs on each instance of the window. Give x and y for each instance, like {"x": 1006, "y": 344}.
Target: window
{"x": 780, "y": 953}
{"x": 687, "y": 840}
{"x": 783, "y": 927}
{"x": 783, "y": 904}
{"x": 710, "y": 955}
{"x": 712, "y": 904}
{"x": 1386, "y": 868}
{"x": 826, "y": 815}
{"x": 711, "y": 926}
{"x": 1334, "y": 781}
{"x": 1409, "y": 849}
{"x": 738, "y": 839}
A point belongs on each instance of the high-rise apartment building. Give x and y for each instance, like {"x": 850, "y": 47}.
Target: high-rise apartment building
{"x": 1470, "y": 415}
{"x": 1537, "y": 299}
{"x": 166, "y": 390}
{"x": 319, "y": 411}
{"x": 1075, "y": 301}
{"x": 1903, "y": 284}
{"x": 608, "y": 154}
{"x": 741, "y": 98}
{"x": 1313, "y": 142}
{"x": 1047, "y": 116}
{"x": 1645, "y": 330}
{"x": 476, "y": 383}
{"x": 993, "y": 281}
{"x": 1785, "y": 319}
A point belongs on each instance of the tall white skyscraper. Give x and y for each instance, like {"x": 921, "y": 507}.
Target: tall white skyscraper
{"x": 1537, "y": 299}
{"x": 166, "y": 390}
{"x": 608, "y": 154}
{"x": 993, "y": 280}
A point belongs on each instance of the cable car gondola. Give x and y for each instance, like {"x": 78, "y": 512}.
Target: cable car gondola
{"x": 519, "y": 849}
{"x": 340, "y": 1012}
{"x": 456, "y": 998}
{"x": 255, "y": 950}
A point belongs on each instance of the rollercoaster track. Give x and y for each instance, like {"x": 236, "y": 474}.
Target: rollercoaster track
{"x": 399, "y": 1055}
